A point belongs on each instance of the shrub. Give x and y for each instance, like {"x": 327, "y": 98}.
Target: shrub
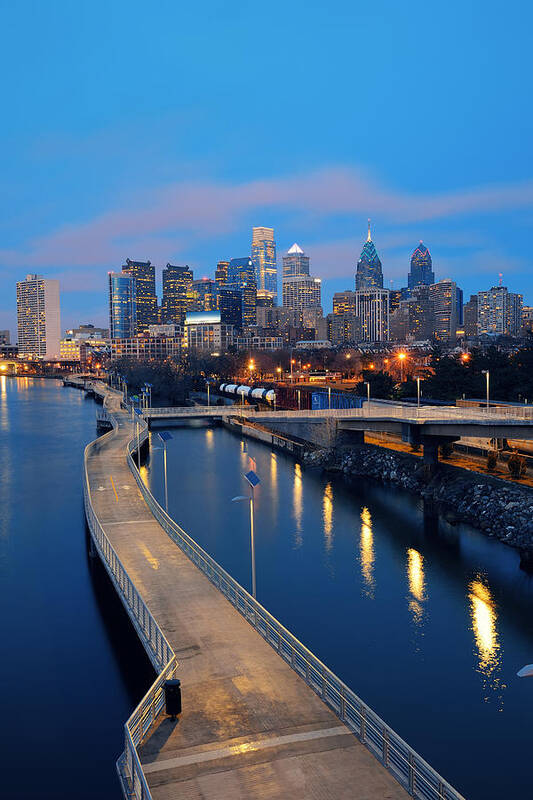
{"x": 492, "y": 460}
{"x": 516, "y": 465}
{"x": 446, "y": 450}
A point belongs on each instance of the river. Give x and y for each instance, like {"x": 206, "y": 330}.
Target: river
{"x": 426, "y": 621}
{"x": 71, "y": 668}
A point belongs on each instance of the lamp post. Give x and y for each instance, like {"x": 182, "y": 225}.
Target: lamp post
{"x": 253, "y": 481}
{"x": 367, "y": 384}
{"x": 402, "y": 357}
{"x": 138, "y": 413}
{"x": 208, "y": 397}
{"x": 329, "y": 397}
{"x": 487, "y": 373}
{"x": 165, "y": 437}
{"x": 418, "y": 379}
{"x": 299, "y": 400}
{"x": 148, "y": 387}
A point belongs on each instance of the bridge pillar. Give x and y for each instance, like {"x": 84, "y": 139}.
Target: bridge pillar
{"x": 431, "y": 456}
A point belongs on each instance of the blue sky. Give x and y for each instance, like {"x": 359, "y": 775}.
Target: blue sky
{"x": 166, "y": 130}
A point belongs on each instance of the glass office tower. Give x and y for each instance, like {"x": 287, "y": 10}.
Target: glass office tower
{"x": 122, "y": 305}
{"x": 177, "y": 294}
{"x": 421, "y": 272}
{"x": 145, "y": 296}
{"x": 264, "y": 261}
{"x": 241, "y": 275}
{"x": 369, "y": 274}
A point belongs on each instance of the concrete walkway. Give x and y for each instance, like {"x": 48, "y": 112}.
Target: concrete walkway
{"x": 250, "y": 727}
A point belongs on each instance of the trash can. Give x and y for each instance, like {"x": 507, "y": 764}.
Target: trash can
{"x": 172, "y": 697}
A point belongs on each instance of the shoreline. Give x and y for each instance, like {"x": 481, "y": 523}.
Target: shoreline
{"x": 491, "y": 505}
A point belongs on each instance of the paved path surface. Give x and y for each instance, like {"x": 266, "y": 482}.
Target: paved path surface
{"x": 250, "y": 727}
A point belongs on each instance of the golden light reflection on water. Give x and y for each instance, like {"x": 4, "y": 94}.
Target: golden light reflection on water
{"x": 209, "y": 438}
{"x": 3, "y": 403}
{"x": 274, "y": 477}
{"x": 297, "y": 504}
{"x": 484, "y": 625}
{"x": 366, "y": 549}
{"x": 417, "y": 587}
{"x": 327, "y": 515}
{"x": 143, "y": 472}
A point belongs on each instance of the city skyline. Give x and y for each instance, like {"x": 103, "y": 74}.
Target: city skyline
{"x": 139, "y": 159}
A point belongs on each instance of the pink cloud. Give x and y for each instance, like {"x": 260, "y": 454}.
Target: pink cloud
{"x": 176, "y": 217}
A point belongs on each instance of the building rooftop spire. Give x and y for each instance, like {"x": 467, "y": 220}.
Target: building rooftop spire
{"x": 369, "y": 237}
{"x": 295, "y": 249}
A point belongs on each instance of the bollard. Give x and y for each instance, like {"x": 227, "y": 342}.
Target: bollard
{"x": 172, "y": 697}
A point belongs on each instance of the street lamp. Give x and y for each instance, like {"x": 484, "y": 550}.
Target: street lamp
{"x": 138, "y": 413}
{"x": 487, "y": 373}
{"x": 148, "y": 387}
{"x": 208, "y": 395}
{"x": 253, "y": 481}
{"x": 367, "y": 384}
{"x": 165, "y": 437}
{"x": 401, "y": 357}
{"x": 418, "y": 379}
{"x": 279, "y": 370}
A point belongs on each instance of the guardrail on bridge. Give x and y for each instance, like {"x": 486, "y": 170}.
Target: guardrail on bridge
{"x": 410, "y": 770}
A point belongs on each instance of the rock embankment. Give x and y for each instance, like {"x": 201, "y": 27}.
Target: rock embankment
{"x": 500, "y": 509}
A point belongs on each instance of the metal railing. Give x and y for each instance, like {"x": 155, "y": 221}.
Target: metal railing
{"x": 410, "y": 770}
{"x": 191, "y": 411}
{"x": 129, "y": 768}
{"x": 426, "y": 413}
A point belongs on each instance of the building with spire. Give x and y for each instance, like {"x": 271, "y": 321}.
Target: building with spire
{"x": 421, "y": 272}
{"x": 369, "y": 273}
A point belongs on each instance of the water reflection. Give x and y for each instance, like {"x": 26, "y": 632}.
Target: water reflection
{"x": 484, "y": 618}
{"x": 367, "y": 556}
{"x": 274, "y": 478}
{"x": 297, "y": 504}
{"x": 3, "y": 403}
{"x": 209, "y": 438}
{"x": 327, "y": 515}
{"x": 417, "y": 590}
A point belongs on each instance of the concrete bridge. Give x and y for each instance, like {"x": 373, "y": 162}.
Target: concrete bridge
{"x": 427, "y": 426}
{"x": 262, "y": 716}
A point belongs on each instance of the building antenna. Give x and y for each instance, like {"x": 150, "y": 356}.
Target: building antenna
{"x": 369, "y": 238}
{"x": 500, "y": 275}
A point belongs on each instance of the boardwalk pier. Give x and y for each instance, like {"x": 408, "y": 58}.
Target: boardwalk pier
{"x": 262, "y": 716}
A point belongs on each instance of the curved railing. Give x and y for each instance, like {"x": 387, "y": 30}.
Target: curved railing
{"x": 163, "y": 659}
{"x": 409, "y": 769}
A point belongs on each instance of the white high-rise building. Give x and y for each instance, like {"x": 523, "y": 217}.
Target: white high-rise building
{"x": 38, "y": 319}
{"x": 499, "y": 312}
{"x": 301, "y": 291}
{"x": 372, "y": 313}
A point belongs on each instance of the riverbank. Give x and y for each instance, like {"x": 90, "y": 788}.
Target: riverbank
{"x": 492, "y": 505}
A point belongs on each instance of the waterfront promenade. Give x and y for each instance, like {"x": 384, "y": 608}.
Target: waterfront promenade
{"x": 250, "y": 727}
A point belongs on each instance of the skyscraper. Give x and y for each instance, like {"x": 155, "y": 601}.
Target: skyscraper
{"x": 344, "y": 303}
{"x": 177, "y": 288}
{"x": 421, "y": 271}
{"x": 470, "y": 316}
{"x": 444, "y": 297}
{"x": 230, "y": 306}
{"x": 264, "y": 261}
{"x": 295, "y": 262}
{"x": 145, "y": 296}
{"x": 122, "y": 305}
{"x": 241, "y": 275}
{"x": 499, "y": 312}
{"x": 203, "y": 295}
{"x": 38, "y": 322}
{"x": 221, "y": 273}
{"x": 372, "y": 312}
{"x": 369, "y": 274}
{"x": 301, "y": 291}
